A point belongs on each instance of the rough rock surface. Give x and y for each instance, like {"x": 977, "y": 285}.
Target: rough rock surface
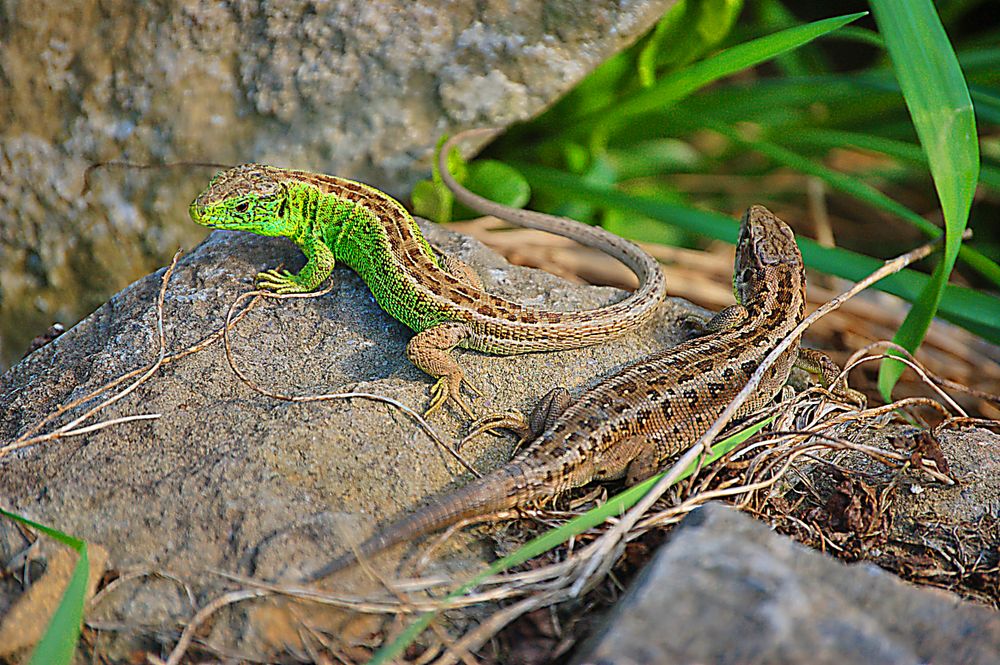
{"x": 726, "y": 589}
{"x": 360, "y": 89}
{"x": 228, "y": 479}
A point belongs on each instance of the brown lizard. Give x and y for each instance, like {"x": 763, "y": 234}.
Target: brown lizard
{"x": 634, "y": 422}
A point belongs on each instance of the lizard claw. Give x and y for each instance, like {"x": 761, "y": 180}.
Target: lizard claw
{"x": 511, "y": 420}
{"x": 445, "y": 389}
{"x": 472, "y": 389}
{"x": 279, "y": 281}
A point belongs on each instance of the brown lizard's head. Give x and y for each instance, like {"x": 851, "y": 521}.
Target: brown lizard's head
{"x": 250, "y": 197}
{"x": 766, "y": 257}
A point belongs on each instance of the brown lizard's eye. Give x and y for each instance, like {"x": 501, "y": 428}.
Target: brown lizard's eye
{"x": 242, "y": 207}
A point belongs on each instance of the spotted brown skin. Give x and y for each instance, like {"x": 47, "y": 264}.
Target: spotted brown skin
{"x": 633, "y": 423}
{"x": 441, "y": 299}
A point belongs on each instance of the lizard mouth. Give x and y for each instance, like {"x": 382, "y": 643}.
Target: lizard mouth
{"x": 200, "y": 218}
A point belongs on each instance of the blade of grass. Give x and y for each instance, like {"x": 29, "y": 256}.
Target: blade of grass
{"x": 861, "y": 191}
{"x": 613, "y": 507}
{"x": 976, "y": 311}
{"x": 683, "y": 82}
{"x": 938, "y": 100}
{"x": 58, "y": 644}
{"x": 849, "y": 101}
{"x": 809, "y": 137}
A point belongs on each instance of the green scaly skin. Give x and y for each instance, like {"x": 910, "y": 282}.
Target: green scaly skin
{"x": 442, "y": 299}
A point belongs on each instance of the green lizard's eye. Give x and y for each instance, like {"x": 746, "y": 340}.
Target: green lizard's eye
{"x": 242, "y": 207}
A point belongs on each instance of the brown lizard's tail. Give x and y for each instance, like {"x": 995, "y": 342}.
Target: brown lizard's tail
{"x": 497, "y": 491}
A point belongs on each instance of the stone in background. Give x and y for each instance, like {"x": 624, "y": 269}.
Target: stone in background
{"x": 360, "y": 89}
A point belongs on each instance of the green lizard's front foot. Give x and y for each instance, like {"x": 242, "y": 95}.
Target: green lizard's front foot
{"x": 279, "y": 281}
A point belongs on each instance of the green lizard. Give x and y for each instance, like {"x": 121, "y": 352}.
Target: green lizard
{"x": 440, "y": 298}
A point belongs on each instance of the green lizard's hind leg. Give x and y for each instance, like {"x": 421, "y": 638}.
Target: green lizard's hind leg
{"x": 319, "y": 264}
{"x": 462, "y": 270}
{"x": 430, "y": 350}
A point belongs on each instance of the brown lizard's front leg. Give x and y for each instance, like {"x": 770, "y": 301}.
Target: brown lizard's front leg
{"x": 816, "y": 363}
{"x": 724, "y": 319}
{"x": 430, "y": 350}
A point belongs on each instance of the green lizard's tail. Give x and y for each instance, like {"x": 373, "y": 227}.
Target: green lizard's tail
{"x": 500, "y": 490}
{"x": 639, "y": 306}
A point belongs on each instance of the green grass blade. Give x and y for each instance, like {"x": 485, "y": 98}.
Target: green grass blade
{"x": 858, "y": 189}
{"x": 903, "y": 151}
{"x": 58, "y": 645}
{"x": 614, "y": 506}
{"x": 938, "y": 100}
{"x": 971, "y": 309}
{"x": 860, "y": 35}
{"x": 681, "y": 83}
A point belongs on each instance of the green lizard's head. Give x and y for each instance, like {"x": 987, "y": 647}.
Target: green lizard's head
{"x": 251, "y": 197}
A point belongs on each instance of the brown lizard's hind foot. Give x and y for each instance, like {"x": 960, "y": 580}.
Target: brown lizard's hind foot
{"x": 544, "y": 415}
{"x": 548, "y": 409}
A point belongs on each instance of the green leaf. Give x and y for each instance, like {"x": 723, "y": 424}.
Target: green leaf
{"x": 941, "y": 109}
{"x": 495, "y": 180}
{"x": 430, "y": 198}
{"x": 772, "y": 15}
{"x": 428, "y": 201}
{"x": 687, "y": 31}
{"x": 58, "y": 644}
{"x": 498, "y": 182}
{"x": 614, "y": 506}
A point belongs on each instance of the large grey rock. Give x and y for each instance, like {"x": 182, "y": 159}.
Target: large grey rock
{"x": 360, "y": 89}
{"x": 227, "y": 479}
{"x": 726, "y": 589}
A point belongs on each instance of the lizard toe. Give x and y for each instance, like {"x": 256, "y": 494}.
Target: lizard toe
{"x": 439, "y": 395}
{"x": 510, "y": 420}
{"x": 463, "y": 405}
